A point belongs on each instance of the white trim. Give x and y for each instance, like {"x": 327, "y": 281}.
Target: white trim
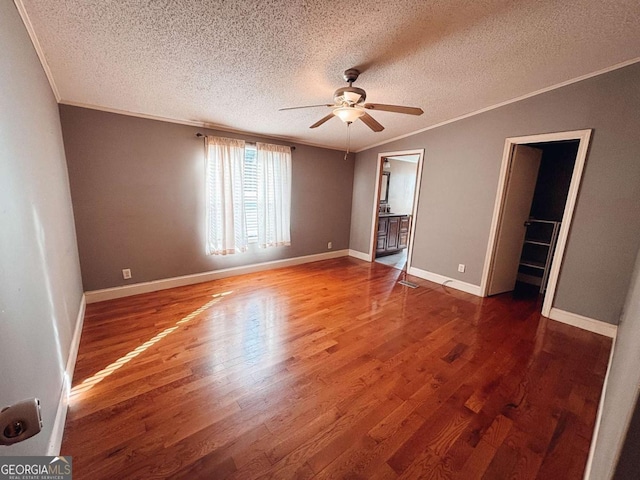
{"x": 402, "y": 153}
{"x": 596, "y": 428}
{"x": 193, "y": 123}
{"x": 359, "y": 255}
{"x": 617, "y": 66}
{"x": 567, "y": 217}
{"x": 376, "y": 209}
{"x": 165, "y": 283}
{"x": 446, "y": 281}
{"x": 376, "y": 200}
{"x": 55, "y": 441}
{"x": 414, "y": 211}
{"x": 585, "y": 323}
{"x": 38, "y": 48}
{"x": 583, "y": 136}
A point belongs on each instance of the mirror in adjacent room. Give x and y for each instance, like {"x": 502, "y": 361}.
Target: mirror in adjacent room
{"x": 384, "y": 188}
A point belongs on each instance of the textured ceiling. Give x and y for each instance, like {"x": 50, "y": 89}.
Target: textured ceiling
{"x": 234, "y": 64}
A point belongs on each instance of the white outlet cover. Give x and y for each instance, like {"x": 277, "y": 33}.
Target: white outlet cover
{"x": 20, "y": 421}
{"x": 461, "y": 268}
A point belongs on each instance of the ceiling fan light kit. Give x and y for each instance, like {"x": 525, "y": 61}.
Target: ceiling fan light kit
{"x": 348, "y": 114}
{"x": 348, "y": 105}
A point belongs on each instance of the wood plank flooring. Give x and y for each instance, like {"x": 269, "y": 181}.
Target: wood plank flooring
{"x": 330, "y": 370}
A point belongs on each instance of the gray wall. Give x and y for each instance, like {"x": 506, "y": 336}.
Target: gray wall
{"x": 138, "y": 196}
{"x": 622, "y": 387}
{"x": 460, "y": 178}
{"x": 40, "y": 287}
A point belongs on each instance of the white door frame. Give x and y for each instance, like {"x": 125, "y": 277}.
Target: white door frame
{"x": 583, "y": 136}
{"x": 376, "y": 201}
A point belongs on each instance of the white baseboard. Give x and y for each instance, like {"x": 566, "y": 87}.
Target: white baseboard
{"x": 585, "y": 323}
{"x": 359, "y": 255}
{"x": 450, "y": 282}
{"x": 63, "y": 403}
{"x": 156, "y": 285}
{"x": 596, "y": 429}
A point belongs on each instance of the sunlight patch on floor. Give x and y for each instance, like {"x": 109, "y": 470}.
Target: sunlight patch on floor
{"x": 90, "y": 382}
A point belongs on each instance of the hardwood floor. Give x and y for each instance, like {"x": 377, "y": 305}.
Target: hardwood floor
{"x": 330, "y": 370}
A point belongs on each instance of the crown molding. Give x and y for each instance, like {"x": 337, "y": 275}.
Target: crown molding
{"x": 617, "y": 66}
{"x": 38, "y": 48}
{"x": 194, "y": 123}
{"x": 39, "y": 51}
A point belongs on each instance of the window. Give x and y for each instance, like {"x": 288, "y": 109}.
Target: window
{"x": 248, "y": 195}
{"x": 274, "y": 195}
{"x": 251, "y": 192}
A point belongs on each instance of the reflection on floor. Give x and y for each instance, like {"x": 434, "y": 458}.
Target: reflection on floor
{"x": 396, "y": 260}
{"x": 331, "y": 369}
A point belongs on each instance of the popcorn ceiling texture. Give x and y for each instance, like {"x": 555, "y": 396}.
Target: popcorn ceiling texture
{"x": 235, "y": 63}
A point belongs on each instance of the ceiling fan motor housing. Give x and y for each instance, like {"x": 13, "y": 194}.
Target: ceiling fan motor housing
{"x": 349, "y": 96}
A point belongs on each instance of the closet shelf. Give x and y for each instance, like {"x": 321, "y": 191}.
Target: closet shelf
{"x": 541, "y": 237}
{"x": 529, "y": 263}
{"x": 537, "y": 242}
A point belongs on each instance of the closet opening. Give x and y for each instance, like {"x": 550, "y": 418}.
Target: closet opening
{"x": 536, "y": 197}
{"x": 545, "y": 215}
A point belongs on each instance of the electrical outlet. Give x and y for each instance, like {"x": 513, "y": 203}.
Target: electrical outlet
{"x": 19, "y": 422}
{"x": 330, "y": 245}
{"x": 126, "y": 273}
{"x": 461, "y": 268}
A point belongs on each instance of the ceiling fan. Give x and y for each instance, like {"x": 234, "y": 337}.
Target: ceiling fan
{"x": 348, "y": 104}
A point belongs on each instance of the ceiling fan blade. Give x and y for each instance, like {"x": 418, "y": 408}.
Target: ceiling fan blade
{"x": 322, "y": 120}
{"x": 371, "y": 122}
{"x": 308, "y": 106}
{"x": 394, "y": 108}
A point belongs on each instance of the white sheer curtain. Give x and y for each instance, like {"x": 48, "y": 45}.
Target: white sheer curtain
{"x": 274, "y": 195}
{"x": 226, "y": 231}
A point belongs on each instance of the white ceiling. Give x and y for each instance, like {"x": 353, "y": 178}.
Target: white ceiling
{"x": 233, "y": 64}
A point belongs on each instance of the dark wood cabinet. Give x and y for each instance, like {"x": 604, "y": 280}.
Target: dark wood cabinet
{"x": 393, "y": 234}
{"x": 403, "y": 234}
{"x": 393, "y": 229}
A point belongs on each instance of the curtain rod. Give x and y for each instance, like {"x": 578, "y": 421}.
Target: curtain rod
{"x": 200, "y": 135}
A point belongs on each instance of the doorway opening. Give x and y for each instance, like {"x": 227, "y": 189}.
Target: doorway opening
{"x": 537, "y": 192}
{"x": 395, "y": 205}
